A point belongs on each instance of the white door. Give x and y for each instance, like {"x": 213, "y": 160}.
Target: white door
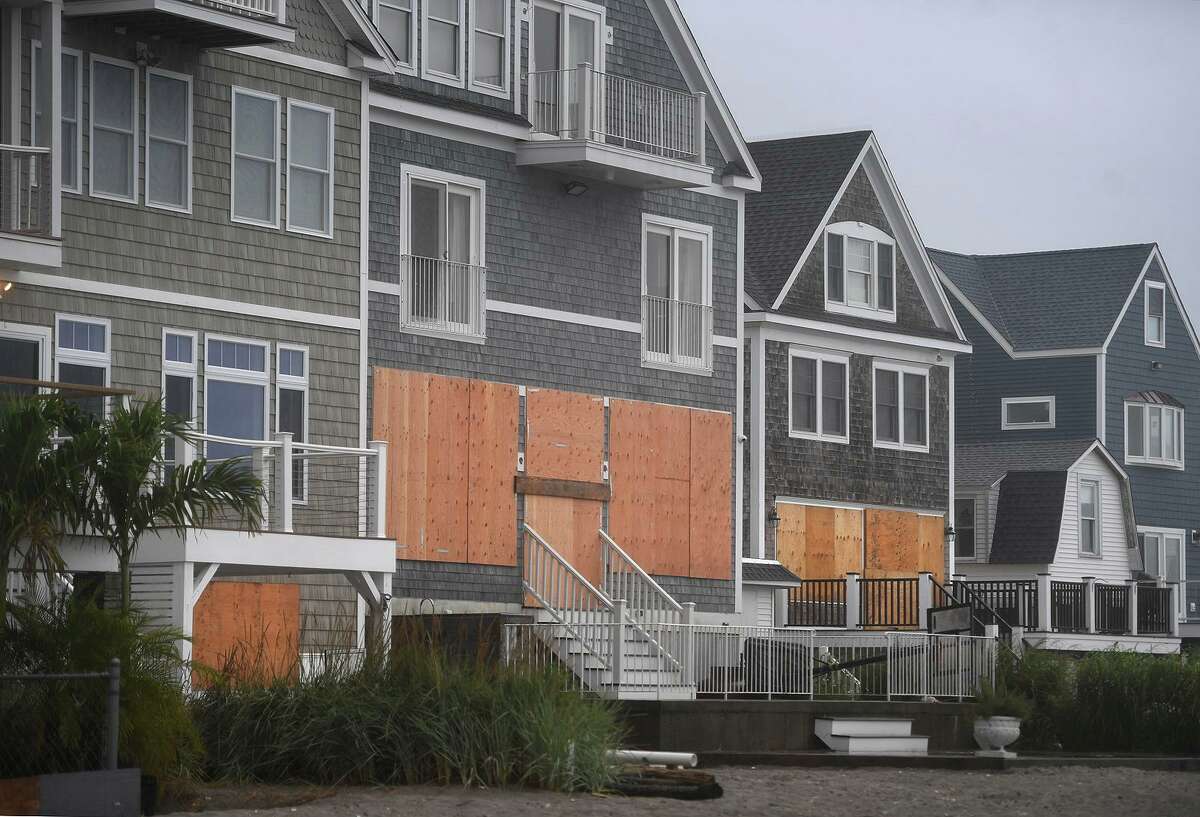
{"x": 564, "y": 37}
{"x": 443, "y": 246}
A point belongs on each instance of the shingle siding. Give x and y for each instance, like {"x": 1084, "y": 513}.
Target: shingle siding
{"x": 987, "y": 375}
{"x": 317, "y": 36}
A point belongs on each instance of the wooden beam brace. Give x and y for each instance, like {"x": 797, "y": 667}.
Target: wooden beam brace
{"x": 568, "y": 488}
{"x": 201, "y": 580}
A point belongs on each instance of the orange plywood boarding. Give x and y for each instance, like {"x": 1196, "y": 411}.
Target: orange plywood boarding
{"x": 791, "y": 538}
{"x": 401, "y": 416}
{"x": 848, "y": 541}
{"x": 892, "y": 544}
{"x": 492, "y": 461}
{"x": 564, "y": 436}
{"x": 251, "y": 625}
{"x": 571, "y": 527}
{"x": 820, "y": 544}
{"x": 931, "y": 542}
{"x": 446, "y": 462}
{"x": 711, "y": 495}
{"x": 817, "y": 542}
{"x": 631, "y": 513}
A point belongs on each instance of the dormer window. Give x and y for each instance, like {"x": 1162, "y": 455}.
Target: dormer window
{"x": 860, "y": 271}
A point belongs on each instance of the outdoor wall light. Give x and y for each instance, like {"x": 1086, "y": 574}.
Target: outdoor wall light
{"x": 951, "y": 536}
{"x": 1156, "y": 364}
{"x": 773, "y": 518}
{"x": 575, "y": 188}
{"x": 5, "y": 287}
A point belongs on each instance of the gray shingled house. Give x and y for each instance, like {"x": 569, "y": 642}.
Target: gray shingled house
{"x": 1072, "y": 411}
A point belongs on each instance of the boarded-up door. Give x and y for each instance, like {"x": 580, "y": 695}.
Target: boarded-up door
{"x": 253, "y": 628}
{"x": 816, "y": 542}
{"x": 901, "y": 544}
{"x": 572, "y": 528}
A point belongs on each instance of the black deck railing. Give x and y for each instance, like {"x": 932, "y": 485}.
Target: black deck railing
{"x": 1013, "y": 602}
{"x": 889, "y": 603}
{"x": 818, "y": 603}
{"x": 1067, "y": 614}
{"x": 1154, "y": 610}
{"x": 1112, "y": 608}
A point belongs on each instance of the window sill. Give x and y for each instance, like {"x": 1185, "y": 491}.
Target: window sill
{"x": 817, "y": 437}
{"x": 1085, "y": 555}
{"x": 442, "y": 334}
{"x": 682, "y": 368}
{"x": 170, "y": 208}
{"x": 1027, "y": 427}
{"x": 1156, "y": 344}
{"x": 1165, "y": 466}
{"x": 916, "y": 449}
{"x": 443, "y": 79}
{"x": 112, "y": 197}
{"x": 308, "y": 233}
{"x": 883, "y": 316}
{"x": 246, "y": 222}
{"x": 489, "y": 90}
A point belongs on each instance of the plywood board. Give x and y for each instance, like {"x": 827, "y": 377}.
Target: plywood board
{"x": 492, "y": 461}
{"x": 255, "y": 626}
{"x": 564, "y": 436}
{"x": 791, "y": 538}
{"x": 848, "y": 541}
{"x": 400, "y": 416}
{"x": 931, "y": 539}
{"x": 892, "y": 544}
{"x": 711, "y": 495}
{"x": 631, "y": 514}
{"x": 820, "y": 544}
{"x": 572, "y": 528}
{"x": 447, "y": 463}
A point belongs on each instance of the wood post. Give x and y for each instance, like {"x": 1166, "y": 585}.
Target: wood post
{"x": 583, "y": 89}
{"x": 924, "y": 598}
{"x": 688, "y": 661}
{"x": 283, "y": 481}
{"x": 701, "y": 128}
{"x": 1045, "y": 608}
{"x": 377, "y": 521}
{"x": 1132, "y": 589}
{"x": 1089, "y": 604}
{"x": 853, "y": 601}
{"x": 1175, "y": 610}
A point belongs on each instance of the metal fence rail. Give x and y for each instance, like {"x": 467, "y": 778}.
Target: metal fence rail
{"x": 443, "y": 296}
{"x": 1014, "y": 601}
{"x": 817, "y": 603}
{"x": 676, "y": 332}
{"x": 889, "y": 603}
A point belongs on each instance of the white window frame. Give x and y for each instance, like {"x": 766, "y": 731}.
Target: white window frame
{"x": 188, "y": 145}
{"x": 1160, "y": 343}
{"x": 460, "y": 80}
{"x": 230, "y": 375}
{"x": 300, "y": 384}
{"x": 409, "y": 173}
{"x": 292, "y": 104}
{"x": 237, "y": 91}
{"x": 1146, "y": 458}
{"x": 675, "y": 228}
{"x": 77, "y": 113}
{"x": 131, "y": 199}
{"x": 864, "y": 232}
{"x": 599, "y": 13}
{"x": 821, "y": 359}
{"x": 1005, "y": 402}
{"x": 42, "y": 335}
{"x": 976, "y": 503}
{"x": 900, "y": 369}
{"x": 82, "y": 357}
{"x": 1098, "y": 553}
{"x": 1163, "y": 534}
{"x": 410, "y": 67}
{"x": 180, "y": 369}
{"x": 501, "y": 90}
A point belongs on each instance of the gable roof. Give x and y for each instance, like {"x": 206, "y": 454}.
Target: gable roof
{"x": 1028, "y": 517}
{"x": 1061, "y": 300}
{"x": 355, "y": 24}
{"x": 982, "y": 464}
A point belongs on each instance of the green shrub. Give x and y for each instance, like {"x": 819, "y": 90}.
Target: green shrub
{"x": 999, "y": 701}
{"x": 1046, "y": 681}
{"x": 421, "y": 716}
{"x": 52, "y": 726}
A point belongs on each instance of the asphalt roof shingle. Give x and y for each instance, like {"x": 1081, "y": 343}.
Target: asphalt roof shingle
{"x": 1028, "y": 517}
{"x": 800, "y": 178}
{"x": 1063, "y": 299}
{"x": 768, "y": 573}
{"x": 981, "y": 464}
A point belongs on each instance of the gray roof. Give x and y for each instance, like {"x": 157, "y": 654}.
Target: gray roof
{"x": 1028, "y": 517}
{"x": 1064, "y": 299}
{"x": 768, "y": 573}
{"x": 980, "y": 465}
{"x": 800, "y": 178}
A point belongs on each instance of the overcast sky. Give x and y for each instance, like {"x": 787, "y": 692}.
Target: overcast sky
{"x": 1010, "y": 125}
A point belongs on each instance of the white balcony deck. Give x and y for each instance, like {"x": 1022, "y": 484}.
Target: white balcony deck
{"x": 205, "y": 23}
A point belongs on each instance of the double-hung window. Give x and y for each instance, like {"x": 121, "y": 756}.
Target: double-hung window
{"x": 178, "y": 385}
{"x": 1026, "y": 413}
{"x": 1154, "y": 434}
{"x": 1156, "y": 314}
{"x": 291, "y": 408}
{"x": 24, "y": 354}
{"x": 1089, "y": 517}
{"x": 1163, "y": 557}
{"x": 310, "y": 169}
{"x": 965, "y": 542}
{"x": 83, "y": 356}
{"x": 901, "y": 407}
{"x": 676, "y": 294}
{"x": 255, "y": 159}
{"x": 443, "y": 44}
{"x": 442, "y": 261}
{"x": 168, "y": 140}
{"x": 235, "y": 394}
{"x": 72, "y": 112}
{"x": 489, "y": 46}
{"x": 395, "y": 20}
{"x": 113, "y": 154}
{"x": 819, "y": 391}
{"x": 860, "y": 271}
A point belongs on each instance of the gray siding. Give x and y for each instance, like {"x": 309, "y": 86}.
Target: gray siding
{"x": 988, "y": 375}
{"x": 317, "y": 36}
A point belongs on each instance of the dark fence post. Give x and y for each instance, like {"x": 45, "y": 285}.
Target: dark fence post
{"x": 114, "y": 713}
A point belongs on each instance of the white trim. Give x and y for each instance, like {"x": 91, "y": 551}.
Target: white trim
{"x": 1105, "y": 455}
{"x": 1160, "y": 342}
{"x": 43, "y": 336}
{"x": 330, "y": 115}
{"x": 950, "y": 468}
{"x": 409, "y": 67}
{"x": 1102, "y": 397}
{"x": 881, "y": 336}
{"x": 1163, "y": 534}
{"x": 758, "y": 445}
{"x": 83, "y": 357}
{"x": 460, "y": 125}
{"x": 186, "y": 79}
{"x": 875, "y": 237}
{"x": 1156, "y": 255}
{"x": 676, "y": 229}
{"x": 901, "y": 369}
{"x": 506, "y": 51}
{"x": 1145, "y": 459}
{"x": 133, "y": 131}
{"x": 820, "y": 358}
{"x": 251, "y": 377}
{"x": 35, "y": 47}
{"x": 855, "y": 506}
{"x": 295, "y": 383}
{"x": 427, "y": 73}
{"x": 1097, "y": 520}
{"x": 739, "y": 430}
{"x": 276, "y": 160}
{"x": 580, "y": 8}
{"x": 1005, "y": 402}
{"x": 263, "y": 27}
{"x": 295, "y": 61}
{"x": 168, "y": 298}
{"x": 364, "y": 259}
{"x": 177, "y": 368}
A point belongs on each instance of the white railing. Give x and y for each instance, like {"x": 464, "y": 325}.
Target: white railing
{"x": 443, "y": 296}
{"x": 25, "y": 190}
{"x": 261, "y": 8}
{"x": 677, "y": 332}
{"x": 625, "y": 579}
{"x": 944, "y": 666}
{"x": 307, "y": 488}
{"x": 583, "y": 103}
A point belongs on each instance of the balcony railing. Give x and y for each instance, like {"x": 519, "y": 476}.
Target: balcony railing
{"x": 677, "y": 333}
{"x": 25, "y": 190}
{"x": 583, "y": 103}
{"x": 262, "y": 8}
{"x": 443, "y": 296}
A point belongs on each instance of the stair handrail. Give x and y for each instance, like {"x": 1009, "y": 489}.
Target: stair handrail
{"x": 641, "y": 592}
{"x": 583, "y": 590}
{"x": 974, "y": 600}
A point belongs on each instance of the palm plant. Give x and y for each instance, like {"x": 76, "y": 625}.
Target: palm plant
{"x": 39, "y": 499}
{"x": 131, "y": 491}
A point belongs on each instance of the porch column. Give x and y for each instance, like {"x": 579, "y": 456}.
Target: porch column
{"x": 1089, "y": 604}
{"x": 1045, "y": 608}
{"x": 924, "y": 598}
{"x": 1175, "y": 609}
{"x": 50, "y": 102}
{"x": 1132, "y": 589}
{"x": 853, "y": 601}
{"x": 183, "y": 606}
{"x": 781, "y": 607}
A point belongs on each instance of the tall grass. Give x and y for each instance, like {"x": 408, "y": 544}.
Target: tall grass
{"x": 422, "y": 715}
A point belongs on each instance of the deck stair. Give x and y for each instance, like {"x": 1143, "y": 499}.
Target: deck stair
{"x": 870, "y": 736}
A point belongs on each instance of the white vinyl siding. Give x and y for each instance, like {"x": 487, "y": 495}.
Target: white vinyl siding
{"x": 1027, "y": 413}
{"x": 1112, "y": 564}
{"x": 1156, "y": 314}
{"x": 113, "y": 155}
{"x": 168, "y": 140}
{"x": 255, "y": 160}
{"x": 310, "y": 169}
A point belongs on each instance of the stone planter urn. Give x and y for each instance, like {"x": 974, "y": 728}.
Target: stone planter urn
{"x": 993, "y": 734}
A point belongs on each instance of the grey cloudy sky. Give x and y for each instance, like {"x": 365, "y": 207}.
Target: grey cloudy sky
{"x": 1010, "y": 125}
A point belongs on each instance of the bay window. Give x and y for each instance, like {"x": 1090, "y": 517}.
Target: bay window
{"x": 255, "y": 160}
{"x": 901, "y": 417}
{"x": 113, "y": 154}
{"x": 860, "y": 271}
{"x": 1154, "y": 434}
{"x": 676, "y": 294}
{"x": 235, "y": 394}
{"x": 818, "y": 396}
{"x": 310, "y": 169}
{"x": 1156, "y": 314}
{"x": 168, "y": 140}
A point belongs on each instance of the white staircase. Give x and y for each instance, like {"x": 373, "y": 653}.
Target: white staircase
{"x": 870, "y": 736}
